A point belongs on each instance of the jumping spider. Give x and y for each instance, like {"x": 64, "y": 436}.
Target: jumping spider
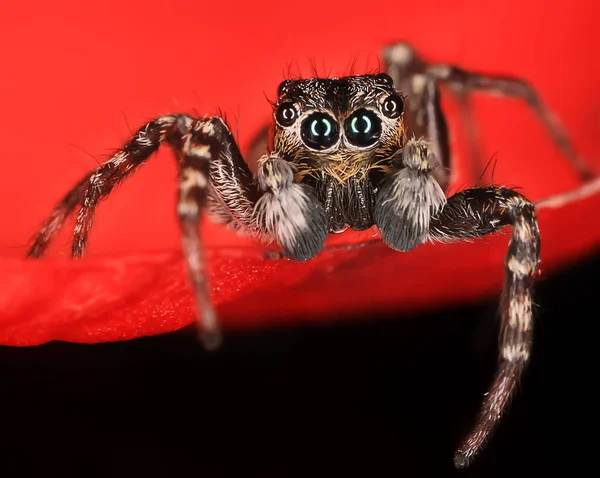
{"x": 344, "y": 155}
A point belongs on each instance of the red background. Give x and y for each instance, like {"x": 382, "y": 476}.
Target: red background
{"x": 77, "y": 76}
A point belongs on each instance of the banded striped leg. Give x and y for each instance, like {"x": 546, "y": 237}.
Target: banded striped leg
{"x": 210, "y": 163}
{"x": 206, "y": 150}
{"x": 477, "y": 212}
{"x": 424, "y": 118}
{"x": 463, "y": 81}
{"x": 99, "y": 183}
{"x": 420, "y": 80}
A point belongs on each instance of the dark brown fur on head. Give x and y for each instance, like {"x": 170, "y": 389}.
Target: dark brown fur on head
{"x": 339, "y": 97}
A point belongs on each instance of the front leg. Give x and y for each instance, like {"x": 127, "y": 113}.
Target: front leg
{"x": 289, "y": 211}
{"x": 212, "y": 176}
{"x": 474, "y": 213}
{"x": 408, "y": 197}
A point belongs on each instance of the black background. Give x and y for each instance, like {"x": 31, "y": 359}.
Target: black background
{"x": 385, "y": 397}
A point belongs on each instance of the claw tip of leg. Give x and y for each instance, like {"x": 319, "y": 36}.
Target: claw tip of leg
{"x": 211, "y": 340}
{"x": 461, "y": 460}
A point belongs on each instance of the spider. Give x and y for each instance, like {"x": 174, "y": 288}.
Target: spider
{"x": 346, "y": 152}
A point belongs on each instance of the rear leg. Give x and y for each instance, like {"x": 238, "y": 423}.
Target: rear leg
{"x": 423, "y": 115}
{"x": 462, "y": 81}
{"x": 411, "y": 73}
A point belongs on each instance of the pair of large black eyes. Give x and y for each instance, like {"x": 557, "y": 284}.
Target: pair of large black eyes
{"x": 321, "y": 130}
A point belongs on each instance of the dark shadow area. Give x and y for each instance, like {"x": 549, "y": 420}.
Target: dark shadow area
{"x": 386, "y": 397}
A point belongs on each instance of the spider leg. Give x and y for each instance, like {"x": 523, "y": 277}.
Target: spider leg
{"x": 477, "y": 212}
{"x": 471, "y": 132}
{"x": 413, "y": 75}
{"x": 212, "y": 176}
{"x": 461, "y": 81}
{"x": 260, "y": 143}
{"x": 100, "y": 182}
{"x": 426, "y": 119}
{"x": 423, "y": 115}
{"x": 209, "y": 142}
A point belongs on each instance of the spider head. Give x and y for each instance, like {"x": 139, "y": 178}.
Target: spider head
{"x": 340, "y": 126}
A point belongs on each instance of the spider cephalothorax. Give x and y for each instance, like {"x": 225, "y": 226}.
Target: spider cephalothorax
{"x": 342, "y": 135}
{"x": 344, "y": 143}
{"x": 341, "y": 158}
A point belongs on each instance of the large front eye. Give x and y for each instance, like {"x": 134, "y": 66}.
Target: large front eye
{"x": 286, "y": 114}
{"x": 319, "y": 131}
{"x": 363, "y": 128}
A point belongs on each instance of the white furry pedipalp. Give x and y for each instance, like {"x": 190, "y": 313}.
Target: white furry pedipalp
{"x": 409, "y": 198}
{"x": 282, "y": 210}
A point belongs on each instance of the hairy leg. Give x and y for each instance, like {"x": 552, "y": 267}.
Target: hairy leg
{"x": 100, "y": 182}
{"x": 425, "y": 119}
{"x": 209, "y": 143}
{"x": 462, "y": 81}
{"x": 423, "y": 116}
{"x": 261, "y": 142}
{"x": 411, "y": 209}
{"x": 210, "y": 167}
{"x": 411, "y": 74}
{"x": 474, "y": 213}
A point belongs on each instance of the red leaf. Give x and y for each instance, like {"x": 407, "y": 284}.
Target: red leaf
{"x": 125, "y": 297}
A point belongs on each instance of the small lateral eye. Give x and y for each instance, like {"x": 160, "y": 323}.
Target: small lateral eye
{"x": 393, "y": 106}
{"x": 286, "y": 114}
{"x": 385, "y": 79}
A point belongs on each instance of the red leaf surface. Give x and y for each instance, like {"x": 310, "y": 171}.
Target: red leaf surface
{"x": 124, "y": 297}
{"x": 72, "y": 70}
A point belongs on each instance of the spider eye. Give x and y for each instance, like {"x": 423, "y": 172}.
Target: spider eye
{"x": 393, "y": 106}
{"x": 319, "y": 131}
{"x": 363, "y": 128}
{"x": 286, "y": 114}
{"x": 385, "y": 79}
